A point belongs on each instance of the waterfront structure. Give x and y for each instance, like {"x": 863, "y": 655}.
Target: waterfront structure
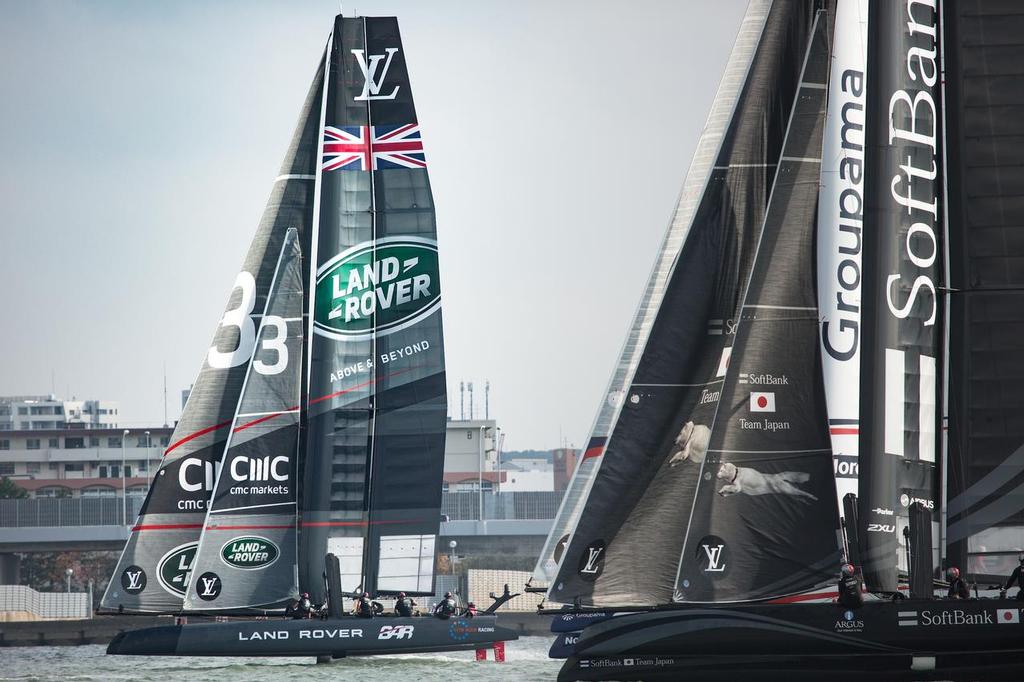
{"x": 42, "y": 412}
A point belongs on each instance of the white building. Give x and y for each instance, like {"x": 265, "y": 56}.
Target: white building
{"x": 47, "y": 412}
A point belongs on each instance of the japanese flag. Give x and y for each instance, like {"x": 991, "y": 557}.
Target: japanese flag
{"x": 762, "y": 402}
{"x": 723, "y": 362}
{"x": 1008, "y": 615}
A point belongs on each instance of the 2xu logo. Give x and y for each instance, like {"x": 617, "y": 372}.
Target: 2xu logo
{"x": 396, "y": 632}
{"x": 376, "y": 288}
{"x": 249, "y": 553}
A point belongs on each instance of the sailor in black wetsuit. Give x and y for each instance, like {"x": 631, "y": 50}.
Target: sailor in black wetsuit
{"x": 446, "y": 609}
{"x": 957, "y": 587}
{"x": 850, "y": 594}
{"x": 403, "y": 606}
{"x": 364, "y": 607}
{"x": 1016, "y": 578}
{"x": 300, "y": 608}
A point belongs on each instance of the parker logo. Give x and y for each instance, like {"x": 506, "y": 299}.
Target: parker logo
{"x": 133, "y": 580}
{"x": 249, "y": 552}
{"x": 174, "y": 568}
{"x": 377, "y": 287}
{"x": 208, "y": 586}
{"x": 712, "y": 555}
{"x": 592, "y": 561}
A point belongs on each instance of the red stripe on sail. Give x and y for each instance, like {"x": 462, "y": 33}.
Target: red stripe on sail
{"x": 844, "y": 432}
{"x": 805, "y": 597}
{"x": 286, "y": 526}
{"x": 201, "y": 432}
{"x": 593, "y": 452}
{"x": 321, "y": 524}
{"x": 167, "y": 526}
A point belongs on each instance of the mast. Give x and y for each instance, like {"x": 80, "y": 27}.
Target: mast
{"x": 628, "y": 535}
{"x": 902, "y": 316}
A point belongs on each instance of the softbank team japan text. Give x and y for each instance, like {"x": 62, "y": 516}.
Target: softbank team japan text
{"x": 384, "y": 359}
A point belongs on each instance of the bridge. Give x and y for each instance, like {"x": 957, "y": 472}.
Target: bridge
{"x": 511, "y": 524}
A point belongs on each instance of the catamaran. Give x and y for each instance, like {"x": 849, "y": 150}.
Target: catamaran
{"x": 309, "y": 455}
{"x": 822, "y": 369}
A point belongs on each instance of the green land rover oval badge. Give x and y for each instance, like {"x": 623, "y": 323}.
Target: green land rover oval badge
{"x": 377, "y": 287}
{"x": 249, "y": 552}
{"x": 174, "y": 568}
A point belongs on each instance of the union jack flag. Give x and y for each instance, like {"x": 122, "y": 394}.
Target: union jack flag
{"x": 362, "y": 148}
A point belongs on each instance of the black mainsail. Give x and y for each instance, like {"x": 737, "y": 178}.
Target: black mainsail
{"x": 247, "y": 551}
{"x": 902, "y": 317}
{"x": 154, "y": 570}
{"x": 628, "y": 537}
{"x": 371, "y": 492}
{"x": 764, "y": 521}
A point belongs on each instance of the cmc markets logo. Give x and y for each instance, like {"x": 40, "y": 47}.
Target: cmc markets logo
{"x": 713, "y": 556}
{"x": 592, "y": 561}
{"x": 377, "y": 287}
{"x": 174, "y": 568}
{"x": 133, "y": 580}
{"x": 249, "y": 552}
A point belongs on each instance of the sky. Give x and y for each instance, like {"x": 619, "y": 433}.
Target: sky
{"x": 140, "y": 140}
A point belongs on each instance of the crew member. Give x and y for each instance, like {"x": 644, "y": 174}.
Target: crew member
{"x": 957, "y": 587}
{"x": 1016, "y": 578}
{"x": 446, "y": 608}
{"x": 470, "y": 610}
{"x": 300, "y": 608}
{"x": 364, "y": 607}
{"x": 403, "y": 606}
{"x": 850, "y": 594}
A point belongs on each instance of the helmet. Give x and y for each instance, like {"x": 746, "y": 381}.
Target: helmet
{"x": 847, "y": 570}
{"x": 305, "y": 595}
{"x": 401, "y": 595}
{"x": 366, "y": 594}
{"x": 1020, "y": 558}
{"x": 471, "y": 604}
{"x": 447, "y": 595}
{"x": 953, "y": 573}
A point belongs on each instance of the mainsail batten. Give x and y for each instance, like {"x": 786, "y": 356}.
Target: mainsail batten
{"x": 626, "y": 544}
{"x": 154, "y": 569}
{"x": 764, "y": 520}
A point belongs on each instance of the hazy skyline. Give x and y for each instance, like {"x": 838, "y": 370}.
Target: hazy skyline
{"x": 141, "y": 140}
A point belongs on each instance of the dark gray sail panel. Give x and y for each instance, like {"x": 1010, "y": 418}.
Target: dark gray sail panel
{"x": 626, "y": 545}
{"x": 984, "y": 113}
{"x": 155, "y": 567}
{"x": 764, "y": 521}
{"x": 377, "y": 405}
{"x": 902, "y": 269}
{"x": 247, "y": 552}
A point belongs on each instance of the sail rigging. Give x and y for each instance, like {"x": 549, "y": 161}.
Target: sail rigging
{"x": 764, "y": 520}
{"x": 627, "y": 540}
{"x": 247, "y": 552}
{"x": 155, "y": 568}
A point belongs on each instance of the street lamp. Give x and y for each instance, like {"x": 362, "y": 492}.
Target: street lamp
{"x": 124, "y": 496}
{"x": 68, "y": 573}
{"x": 149, "y": 469}
{"x": 451, "y": 556}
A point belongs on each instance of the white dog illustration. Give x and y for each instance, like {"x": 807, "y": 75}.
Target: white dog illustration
{"x": 747, "y": 481}
{"x": 691, "y": 444}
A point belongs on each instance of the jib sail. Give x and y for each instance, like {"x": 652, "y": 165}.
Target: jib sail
{"x": 626, "y": 544}
{"x": 154, "y": 570}
{"x": 374, "y": 451}
{"x": 247, "y": 552}
{"x": 764, "y": 521}
{"x": 902, "y": 316}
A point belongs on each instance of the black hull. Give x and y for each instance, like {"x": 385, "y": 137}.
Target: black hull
{"x": 336, "y": 637}
{"x": 909, "y": 640}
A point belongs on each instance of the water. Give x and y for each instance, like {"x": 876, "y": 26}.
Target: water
{"x": 526, "y": 659}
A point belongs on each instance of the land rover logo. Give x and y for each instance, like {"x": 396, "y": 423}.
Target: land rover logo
{"x": 592, "y": 561}
{"x": 175, "y": 566}
{"x": 133, "y": 580}
{"x": 249, "y": 552}
{"x": 377, "y": 287}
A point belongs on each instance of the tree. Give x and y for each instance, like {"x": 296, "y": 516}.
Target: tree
{"x": 9, "y": 490}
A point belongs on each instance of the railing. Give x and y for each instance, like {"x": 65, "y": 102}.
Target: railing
{"x": 107, "y": 511}
{"x": 18, "y": 602}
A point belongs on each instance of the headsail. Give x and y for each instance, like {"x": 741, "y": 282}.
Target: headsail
{"x": 764, "y": 522}
{"x": 153, "y": 572}
{"x": 626, "y": 545}
{"x": 902, "y": 317}
{"x": 247, "y": 552}
{"x": 377, "y": 407}
{"x": 984, "y": 116}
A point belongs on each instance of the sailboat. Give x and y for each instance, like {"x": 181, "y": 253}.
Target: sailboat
{"x": 780, "y": 402}
{"x": 309, "y": 455}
